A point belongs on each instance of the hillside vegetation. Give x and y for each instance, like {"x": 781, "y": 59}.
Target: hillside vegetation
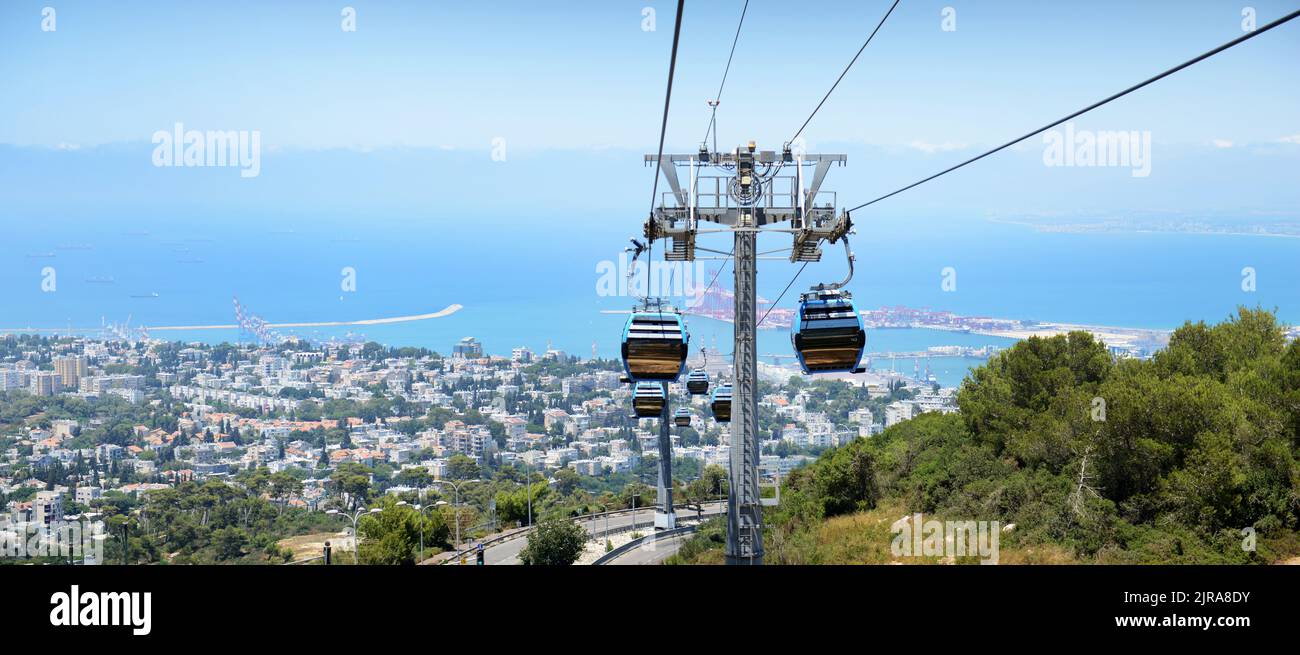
{"x": 1189, "y": 457}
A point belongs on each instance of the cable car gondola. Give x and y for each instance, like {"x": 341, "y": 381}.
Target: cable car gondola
{"x": 655, "y": 342}
{"x": 830, "y": 337}
{"x": 648, "y": 399}
{"x": 682, "y": 418}
{"x": 697, "y": 383}
{"x": 721, "y": 404}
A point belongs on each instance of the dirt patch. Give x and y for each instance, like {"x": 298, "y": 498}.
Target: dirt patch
{"x": 311, "y": 545}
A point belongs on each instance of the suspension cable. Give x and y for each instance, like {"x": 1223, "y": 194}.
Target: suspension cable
{"x": 845, "y": 72}
{"x": 778, "y": 298}
{"x": 717, "y": 99}
{"x": 663, "y": 131}
{"x": 719, "y": 271}
{"x": 1241, "y": 39}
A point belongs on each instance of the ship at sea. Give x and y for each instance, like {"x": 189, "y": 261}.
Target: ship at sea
{"x": 151, "y": 294}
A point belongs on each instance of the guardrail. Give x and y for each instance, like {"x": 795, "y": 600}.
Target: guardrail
{"x": 520, "y": 532}
{"x": 636, "y": 543}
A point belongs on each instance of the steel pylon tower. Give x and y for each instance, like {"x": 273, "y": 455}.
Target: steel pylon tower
{"x": 665, "y": 516}
{"x": 744, "y": 511}
{"x": 750, "y": 196}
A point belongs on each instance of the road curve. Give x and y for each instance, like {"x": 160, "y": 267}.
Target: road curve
{"x": 507, "y": 552}
{"x": 652, "y": 552}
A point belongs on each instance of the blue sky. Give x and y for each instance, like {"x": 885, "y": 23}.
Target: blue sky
{"x": 395, "y": 121}
{"x": 378, "y": 141}
{"x": 583, "y": 75}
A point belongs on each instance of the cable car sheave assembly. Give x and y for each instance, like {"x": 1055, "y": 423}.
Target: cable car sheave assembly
{"x": 747, "y": 193}
{"x": 743, "y": 192}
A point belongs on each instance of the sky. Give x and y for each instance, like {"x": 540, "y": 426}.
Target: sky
{"x": 397, "y": 120}
{"x": 381, "y": 140}
{"x": 586, "y": 75}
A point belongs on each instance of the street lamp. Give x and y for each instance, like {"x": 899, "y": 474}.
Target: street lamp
{"x": 421, "y": 509}
{"x": 604, "y": 510}
{"x": 528, "y": 482}
{"x": 356, "y": 537}
{"x": 634, "y": 497}
{"x": 98, "y": 537}
{"x": 126, "y": 537}
{"x": 101, "y": 538}
{"x": 456, "y": 506}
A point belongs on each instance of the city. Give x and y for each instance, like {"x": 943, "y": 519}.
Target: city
{"x": 216, "y": 412}
{"x": 606, "y": 322}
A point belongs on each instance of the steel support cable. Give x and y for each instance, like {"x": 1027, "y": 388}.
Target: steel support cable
{"x": 713, "y": 126}
{"x": 663, "y": 131}
{"x": 844, "y": 72}
{"x": 719, "y": 271}
{"x": 1241, "y": 39}
{"x": 778, "y": 298}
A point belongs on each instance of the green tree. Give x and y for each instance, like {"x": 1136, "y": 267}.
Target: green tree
{"x": 512, "y": 505}
{"x": 845, "y": 479}
{"x": 283, "y": 486}
{"x": 354, "y": 480}
{"x": 392, "y": 535}
{"x": 416, "y": 476}
{"x": 229, "y": 542}
{"x": 555, "y": 542}
{"x": 567, "y": 481}
{"x": 461, "y": 467}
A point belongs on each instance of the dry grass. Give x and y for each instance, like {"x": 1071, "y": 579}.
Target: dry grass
{"x": 310, "y": 545}
{"x": 1040, "y": 554}
{"x": 712, "y": 556}
{"x": 866, "y": 538}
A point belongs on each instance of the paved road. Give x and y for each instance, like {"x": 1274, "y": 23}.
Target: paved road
{"x": 507, "y": 552}
{"x": 652, "y": 554}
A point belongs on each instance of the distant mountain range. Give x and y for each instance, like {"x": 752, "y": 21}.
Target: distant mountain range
{"x": 1247, "y": 225}
{"x": 1196, "y": 180}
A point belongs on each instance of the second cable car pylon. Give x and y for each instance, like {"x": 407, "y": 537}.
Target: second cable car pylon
{"x": 655, "y": 343}
{"x": 747, "y": 194}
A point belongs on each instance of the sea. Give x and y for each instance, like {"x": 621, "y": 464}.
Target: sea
{"x": 535, "y": 281}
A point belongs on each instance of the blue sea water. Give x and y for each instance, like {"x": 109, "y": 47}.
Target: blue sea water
{"x": 529, "y": 282}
